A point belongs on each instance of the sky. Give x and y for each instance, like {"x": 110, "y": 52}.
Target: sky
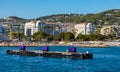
{"x": 37, "y": 8}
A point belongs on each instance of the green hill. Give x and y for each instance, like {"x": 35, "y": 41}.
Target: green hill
{"x": 109, "y": 17}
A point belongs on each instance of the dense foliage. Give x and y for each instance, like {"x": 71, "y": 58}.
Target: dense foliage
{"x": 68, "y": 36}
{"x": 39, "y": 35}
{"x": 16, "y": 35}
{"x": 90, "y": 37}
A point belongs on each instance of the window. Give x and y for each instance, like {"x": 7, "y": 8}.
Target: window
{"x": 28, "y": 32}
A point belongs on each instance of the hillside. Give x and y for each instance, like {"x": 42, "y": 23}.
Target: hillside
{"x": 109, "y": 17}
{"x": 14, "y": 19}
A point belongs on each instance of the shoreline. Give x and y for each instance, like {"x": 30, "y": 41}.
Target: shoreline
{"x": 96, "y": 46}
{"x": 84, "y": 44}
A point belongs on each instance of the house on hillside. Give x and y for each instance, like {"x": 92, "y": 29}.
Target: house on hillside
{"x": 106, "y": 30}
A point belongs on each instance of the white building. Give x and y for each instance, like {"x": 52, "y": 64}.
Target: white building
{"x": 84, "y": 28}
{"x": 34, "y": 26}
{"x": 3, "y": 35}
{"x": 68, "y": 27}
{"x": 31, "y": 27}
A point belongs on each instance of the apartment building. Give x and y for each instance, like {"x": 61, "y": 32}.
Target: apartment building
{"x": 49, "y": 28}
{"x": 68, "y": 27}
{"x": 3, "y": 35}
{"x": 84, "y": 28}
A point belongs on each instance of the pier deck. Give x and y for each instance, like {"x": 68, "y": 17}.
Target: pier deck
{"x": 51, "y": 54}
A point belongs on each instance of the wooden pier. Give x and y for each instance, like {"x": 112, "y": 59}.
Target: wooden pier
{"x": 73, "y": 55}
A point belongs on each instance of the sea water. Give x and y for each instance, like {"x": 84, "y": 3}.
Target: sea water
{"x": 104, "y": 60}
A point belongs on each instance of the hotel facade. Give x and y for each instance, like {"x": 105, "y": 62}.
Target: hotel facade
{"x": 84, "y": 28}
{"x": 49, "y": 28}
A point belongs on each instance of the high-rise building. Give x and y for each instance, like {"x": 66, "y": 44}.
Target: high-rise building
{"x": 3, "y": 35}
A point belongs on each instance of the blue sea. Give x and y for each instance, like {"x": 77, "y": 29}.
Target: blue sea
{"x": 104, "y": 60}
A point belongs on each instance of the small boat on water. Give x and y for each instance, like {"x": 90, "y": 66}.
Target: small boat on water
{"x": 70, "y": 53}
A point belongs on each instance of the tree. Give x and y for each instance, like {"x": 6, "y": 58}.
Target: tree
{"x": 17, "y": 35}
{"x": 14, "y": 35}
{"x": 86, "y": 38}
{"x": 61, "y": 35}
{"x": 69, "y": 36}
{"x": 80, "y": 37}
{"x": 57, "y": 38}
{"x": 66, "y": 36}
{"x": 90, "y": 37}
{"x": 39, "y": 35}
{"x": 50, "y": 37}
{"x": 21, "y": 36}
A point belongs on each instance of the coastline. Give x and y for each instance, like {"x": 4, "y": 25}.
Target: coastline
{"x": 88, "y": 44}
{"x": 65, "y": 45}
